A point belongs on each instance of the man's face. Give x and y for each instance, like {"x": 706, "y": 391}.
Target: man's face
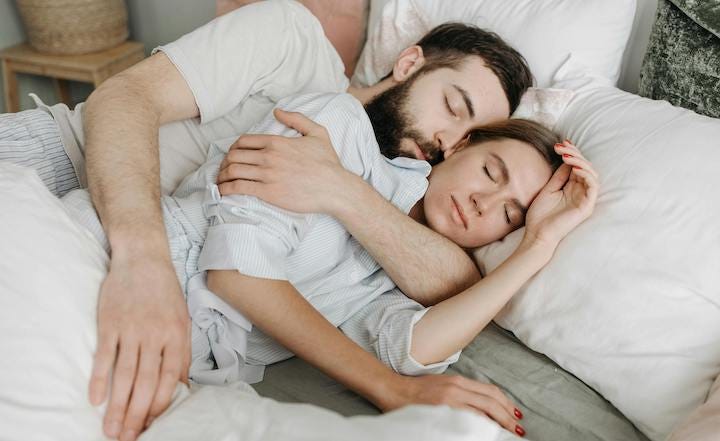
{"x": 430, "y": 113}
{"x": 481, "y": 193}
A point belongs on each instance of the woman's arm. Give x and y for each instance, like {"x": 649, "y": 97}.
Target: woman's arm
{"x": 280, "y": 311}
{"x": 304, "y": 175}
{"x": 452, "y": 324}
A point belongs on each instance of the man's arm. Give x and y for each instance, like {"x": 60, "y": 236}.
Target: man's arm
{"x": 282, "y": 313}
{"x": 143, "y": 322}
{"x": 304, "y": 175}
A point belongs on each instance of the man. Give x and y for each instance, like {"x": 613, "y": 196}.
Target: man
{"x": 229, "y": 73}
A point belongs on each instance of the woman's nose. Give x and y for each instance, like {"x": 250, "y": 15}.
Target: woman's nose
{"x": 484, "y": 202}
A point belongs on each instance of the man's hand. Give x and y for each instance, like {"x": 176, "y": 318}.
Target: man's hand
{"x": 298, "y": 174}
{"x": 457, "y": 392}
{"x": 144, "y": 338}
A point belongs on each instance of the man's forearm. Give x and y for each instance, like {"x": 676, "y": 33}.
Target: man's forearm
{"x": 426, "y": 266}
{"x": 450, "y": 325}
{"x": 123, "y": 167}
{"x": 282, "y": 313}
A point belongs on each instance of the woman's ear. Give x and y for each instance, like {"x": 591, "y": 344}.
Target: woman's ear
{"x": 408, "y": 62}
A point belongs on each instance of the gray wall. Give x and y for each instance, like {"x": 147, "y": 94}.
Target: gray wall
{"x": 152, "y": 22}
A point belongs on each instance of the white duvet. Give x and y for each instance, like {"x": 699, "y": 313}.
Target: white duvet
{"x": 236, "y": 412}
{"x": 50, "y": 274}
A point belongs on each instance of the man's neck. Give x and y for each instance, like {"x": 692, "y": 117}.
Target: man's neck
{"x": 366, "y": 94}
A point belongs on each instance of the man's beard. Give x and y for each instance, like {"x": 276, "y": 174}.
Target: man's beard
{"x": 392, "y": 122}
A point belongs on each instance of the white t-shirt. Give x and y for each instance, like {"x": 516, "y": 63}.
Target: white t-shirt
{"x": 237, "y": 66}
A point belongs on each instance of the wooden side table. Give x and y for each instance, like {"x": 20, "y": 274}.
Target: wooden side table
{"x": 89, "y": 68}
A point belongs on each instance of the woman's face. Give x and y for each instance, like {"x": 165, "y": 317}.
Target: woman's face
{"x": 480, "y": 194}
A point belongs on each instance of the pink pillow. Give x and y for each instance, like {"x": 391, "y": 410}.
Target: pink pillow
{"x": 344, "y": 22}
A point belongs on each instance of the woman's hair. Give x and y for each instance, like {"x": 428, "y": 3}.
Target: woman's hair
{"x": 449, "y": 44}
{"x": 523, "y": 130}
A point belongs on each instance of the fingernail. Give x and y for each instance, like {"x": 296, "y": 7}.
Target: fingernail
{"x": 518, "y": 414}
{"x": 130, "y": 435}
{"x": 559, "y": 145}
{"x": 565, "y": 155}
{"x": 113, "y": 429}
{"x": 519, "y": 430}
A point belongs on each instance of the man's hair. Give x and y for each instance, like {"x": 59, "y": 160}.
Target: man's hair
{"x": 449, "y": 45}
{"x": 523, "y": 130}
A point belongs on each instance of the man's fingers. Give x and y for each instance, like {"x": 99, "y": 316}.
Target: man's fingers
{"x": 250, "y": 188}
{"x": 299, "y": 122}
{"x": 142, "y": 394}
{"x": 242, "y": 156}
{"x": 104, "y": 359}
{"x": 172, "y": 371}
{"x": 123, "y": 378}
{"x": 254, "y": 141}
{"x": 240, "y": 171}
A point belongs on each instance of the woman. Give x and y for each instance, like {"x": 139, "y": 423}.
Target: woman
{"x": 260, "y": 279}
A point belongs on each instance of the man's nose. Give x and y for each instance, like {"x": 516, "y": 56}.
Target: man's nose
{"x": 448, "y": 140}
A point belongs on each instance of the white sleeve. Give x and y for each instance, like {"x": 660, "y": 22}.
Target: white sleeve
{"x": 276, "y": 48}
{"x": 385, "y": 326}
{"x": 249, "y": 235}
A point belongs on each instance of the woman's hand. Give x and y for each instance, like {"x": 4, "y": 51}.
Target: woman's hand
{"x": 565, "y": 201}
{"x": 457, "y": 392}
{"x": 300, "y": 174}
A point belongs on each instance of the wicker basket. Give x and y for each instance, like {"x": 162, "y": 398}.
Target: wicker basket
{"x": 74, "y": 26}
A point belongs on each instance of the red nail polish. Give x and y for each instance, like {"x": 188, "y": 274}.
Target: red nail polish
{"x": 519, "y": 430}
{"x": 565, "y": 155}
{"x": 559, "y": 145}
{"x": 518, "y": 414}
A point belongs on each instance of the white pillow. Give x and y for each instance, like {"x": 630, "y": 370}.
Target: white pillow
{"x": 630, "y": 303}
{"x": 545, "y": 32}
{"x": 50, "y": 274}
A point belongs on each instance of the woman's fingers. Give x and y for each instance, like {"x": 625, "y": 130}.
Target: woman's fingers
{"x": 558, "y": 179}
{"x": 491, "y": 407}
{"x": 569, "y": 151}
{"x": 591, "y": 189}
{"x": 490, "y": 390}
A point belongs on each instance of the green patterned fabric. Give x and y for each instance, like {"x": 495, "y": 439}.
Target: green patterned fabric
{"x": 682, "y": 64}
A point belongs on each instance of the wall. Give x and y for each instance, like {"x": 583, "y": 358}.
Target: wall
{"x": 152, "y": 22}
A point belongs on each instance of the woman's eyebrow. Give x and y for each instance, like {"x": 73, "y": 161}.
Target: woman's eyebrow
{"x": 466, "y": 98}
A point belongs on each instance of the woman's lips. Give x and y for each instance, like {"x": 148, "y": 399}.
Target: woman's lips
{"x": 460, "y": 212}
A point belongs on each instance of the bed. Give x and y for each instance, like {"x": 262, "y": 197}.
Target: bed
{"x": 301, "y": 402}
